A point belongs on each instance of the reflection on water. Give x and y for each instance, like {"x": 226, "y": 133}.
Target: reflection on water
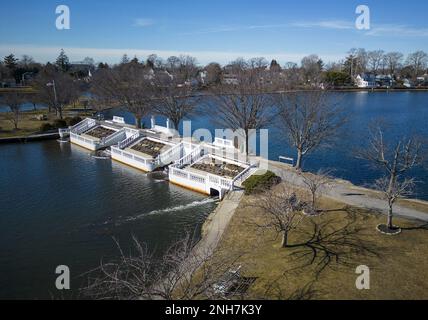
{"x": 59, "y": 205}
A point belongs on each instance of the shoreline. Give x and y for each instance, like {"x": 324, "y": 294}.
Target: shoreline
{"x": 30, "y": 138}
{"x": 217, "y": 222}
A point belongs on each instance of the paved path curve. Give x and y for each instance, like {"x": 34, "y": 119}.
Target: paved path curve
{"x": 346, "y": 192}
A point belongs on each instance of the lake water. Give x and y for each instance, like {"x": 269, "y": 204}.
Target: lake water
{"x": 405, "y": 113}
{"x": 58, "y": 205}
{"x": 24, "y": 107}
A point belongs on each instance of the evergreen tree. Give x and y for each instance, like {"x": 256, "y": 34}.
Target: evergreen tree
{"x": 274, "y": 66}
{"x": 125, "y": 59}
{"x": 62, "y": 62}
{"x": 135, "y": 60}
{"x": 103, "y": 65}
{"x": 11, "y": 62}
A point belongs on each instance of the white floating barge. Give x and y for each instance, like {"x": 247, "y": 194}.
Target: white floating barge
{"x": 209, "y": 168}
{"x": 94, "y": 135}
{"x": 208, "y": 173}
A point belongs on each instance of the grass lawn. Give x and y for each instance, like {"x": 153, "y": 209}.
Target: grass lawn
{"x": 28, "y": 124}
{"x": 398, "y": 264}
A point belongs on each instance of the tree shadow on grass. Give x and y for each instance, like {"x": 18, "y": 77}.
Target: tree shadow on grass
{"x": 274, "y": 290}
{"x": 420, "y": 227}
{"x": 329, "y": 245}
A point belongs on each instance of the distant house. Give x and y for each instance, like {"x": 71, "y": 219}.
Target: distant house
{"x": 365, "y": 81}
{"x": 407, "y": 83}
{"x": 423, "y": 80}
{"x": 384, "y": 80}
{"x": 229, "y": 78}
{"x": 8, "y": 83}
{"x": 202, "y": 75}
{"x": 150, "y": 75}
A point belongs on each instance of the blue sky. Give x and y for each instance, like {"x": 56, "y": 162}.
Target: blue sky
{"x": 217, "y": 30}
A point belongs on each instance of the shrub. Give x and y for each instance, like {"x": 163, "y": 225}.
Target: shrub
{"x": 46, "y": 127}
{"x": 259, "y": 183}
{"x": 60, "y": 123}
{"x": 73, "y": 121}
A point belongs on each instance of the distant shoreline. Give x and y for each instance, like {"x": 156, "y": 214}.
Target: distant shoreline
{"x": 378, "y": 89}
{"x": 30, "y": 90}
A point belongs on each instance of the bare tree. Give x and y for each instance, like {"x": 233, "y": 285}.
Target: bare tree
{"x": 312, "y": 66}
{"x": 175, "y": 99}
{"x": 34, "y": 99}
{"x": 153, "y": 61}
{"x": 316, "y": 183}
{"x": 182, "y": 273}
{"x": 14, "y": 101}
{"x": 258, "y": 63}
{"x": 188, "y": 67}
{"x": 129, "y": 85}
{"x": 393, "y": 61}
{"x": 394, "y": 158}
{"x": 172, "y": 63}
{"x": 418, "y": 61}
{"x": 400, "y": 189}
{"x": 309, "y": 120}
{"x": 282, "y": 211}
{"x": 375, "y": 60}
{"x": 214, "y": 73}
{"x": 358, "y": 61}
{"x": 292, "y": 75}
{"x": 243, "y": 105}
{"x": 56, "y": 89}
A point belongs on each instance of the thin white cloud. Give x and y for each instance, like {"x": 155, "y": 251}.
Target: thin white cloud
{"x": 397, "y": 31}
{"x": 325, "y": 24}
{"x": 113, "y": 55}
{"x": 379, "y": 30}
{"x": 235, "y": 28}
{"x": 143, "y": 22}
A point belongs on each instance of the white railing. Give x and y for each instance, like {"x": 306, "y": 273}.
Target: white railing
{"x": 169, "y": 155}
{"x": 125, "y": 143}
{"x": 223, "y": 183}
{"x": 239, "y": 179}
{"x": 129, "y": 155}
{"x": 223, "y": 143}
{"x": 113, "y": 138}
{"x": 191, "y": 158}
{"x": 83, "y": 126}
{"x": 195, "y": 177}
{"x": 120, "y": 120}
{"x": 82, "y": 139}
{"x": 63, "y": 132}
{"x": 209, "y": 181}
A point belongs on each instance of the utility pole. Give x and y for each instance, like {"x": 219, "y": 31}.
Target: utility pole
{"x": 52, "y": 84}
{"x": 54, "y": 89}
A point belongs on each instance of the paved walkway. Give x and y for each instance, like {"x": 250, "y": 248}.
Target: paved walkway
{"x": 217, "y": 223}
{"x": 346, "y": 192}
